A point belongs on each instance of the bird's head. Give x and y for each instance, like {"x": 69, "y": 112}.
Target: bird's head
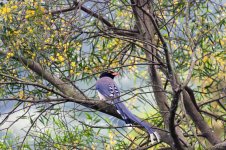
{"x": 110, "y": 74}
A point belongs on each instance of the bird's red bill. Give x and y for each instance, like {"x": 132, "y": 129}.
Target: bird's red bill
{"x": 115, "y": 73}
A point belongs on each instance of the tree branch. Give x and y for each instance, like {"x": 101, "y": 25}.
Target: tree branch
{"x": 198, "y": 120}
{"x": 219, "y": 146}
{"x": 147, "y": 30}
{"x": 173, "y": 109}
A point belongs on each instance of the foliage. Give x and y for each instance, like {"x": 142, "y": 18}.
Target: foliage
{"x": 74, "y": 42}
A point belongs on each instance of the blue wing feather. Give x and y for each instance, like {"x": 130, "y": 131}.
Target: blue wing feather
{"x": 103, "y": 87}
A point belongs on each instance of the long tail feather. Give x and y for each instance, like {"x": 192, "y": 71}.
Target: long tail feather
{"x": 128, "y": 117}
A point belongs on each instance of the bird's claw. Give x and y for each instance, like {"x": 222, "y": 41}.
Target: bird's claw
{"x": 154, "y": 136}
{"x": 130, "y": 126}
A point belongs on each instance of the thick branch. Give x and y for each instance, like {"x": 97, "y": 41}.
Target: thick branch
{"x": 219, "y": 146}
{"x": 145, "y": 22}
{"x": 147, "y": 30}
{"x": 117, "y": 31}
{"x": 91, "y": 13}
{"x": 198, "y": 120}
{"x": 172, "y": 127}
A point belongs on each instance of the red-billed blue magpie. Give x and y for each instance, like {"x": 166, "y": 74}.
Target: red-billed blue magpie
{"x": 107, "y": 90}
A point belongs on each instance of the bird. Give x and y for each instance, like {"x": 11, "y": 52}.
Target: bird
{"x": 108, "y": 91}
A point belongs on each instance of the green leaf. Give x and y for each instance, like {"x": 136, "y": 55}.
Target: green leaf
{"x": 88, "y": 116}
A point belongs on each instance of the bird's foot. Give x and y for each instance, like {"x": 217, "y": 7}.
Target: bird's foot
{"x": 155, "y": 137}
{"x": 130, "y": 126}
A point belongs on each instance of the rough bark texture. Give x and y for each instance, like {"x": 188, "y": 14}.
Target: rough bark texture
{"x": 147, "y": 29}
{"x": 207, "y": 132}
{"x": 219, "y": 146}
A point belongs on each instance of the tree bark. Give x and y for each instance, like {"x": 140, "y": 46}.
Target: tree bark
{"x": 146, "y": 28}
{"x": 143, "y": 10}
{"x": 197, "y": 118}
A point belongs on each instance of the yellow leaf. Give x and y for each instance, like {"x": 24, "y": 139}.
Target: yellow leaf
{"x": 73, "y": 64}
{"x": 205, "y": 58}
{"x": 21, "y": 94}
{"x": 52, "y": 58}
{"x": 72, "y": 72}
{"x": 61, "y": 58}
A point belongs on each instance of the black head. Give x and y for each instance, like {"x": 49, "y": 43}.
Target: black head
{"x": 110, "y": 74}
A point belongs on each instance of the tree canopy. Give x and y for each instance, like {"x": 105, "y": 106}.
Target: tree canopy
{"x": 170, "y": 55}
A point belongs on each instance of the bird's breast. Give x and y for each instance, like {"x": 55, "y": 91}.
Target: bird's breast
{"x": 101, "y": 96}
